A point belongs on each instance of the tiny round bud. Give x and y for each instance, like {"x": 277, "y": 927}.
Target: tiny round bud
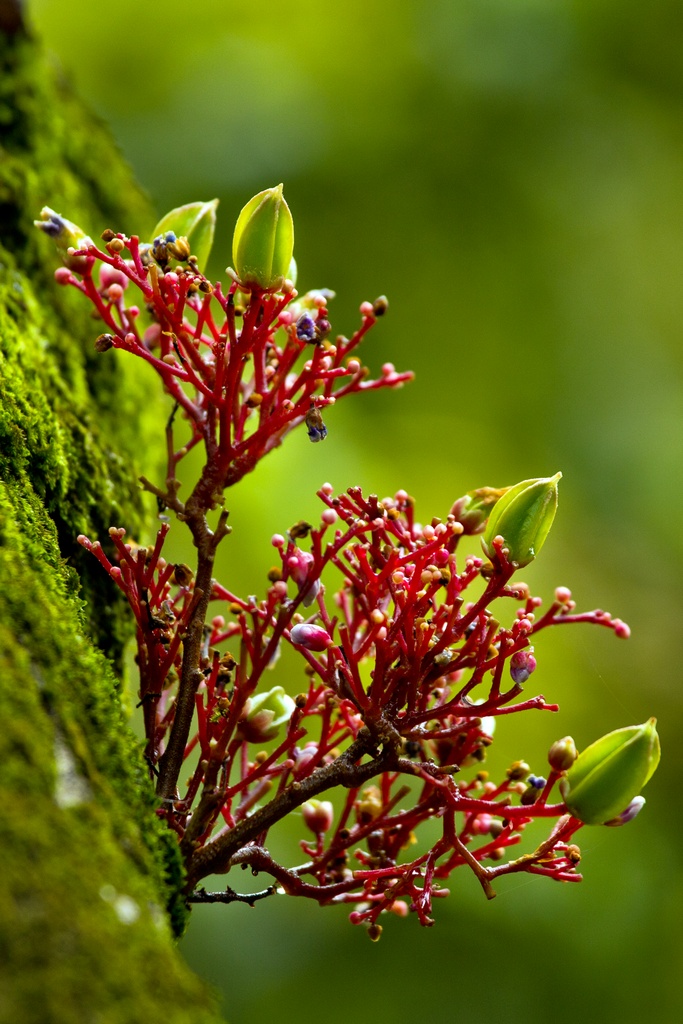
{"x": 103, "y": 342}
{"x": 621, "y": 629}
{"x": 309, "y": 636}
{"x": 110, "y": 275}
{"x": 380, "y": 305}
{"x": 182, "y": 575}
{"x": 562, "y": 754}
{"x": 318, "y": 815}
{"x": 518, "y": 771}
{"x": 177, "y": 248}
{"x": 522, "y": 664}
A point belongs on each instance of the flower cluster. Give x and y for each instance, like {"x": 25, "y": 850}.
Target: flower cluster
{"x": 407, "y": 663}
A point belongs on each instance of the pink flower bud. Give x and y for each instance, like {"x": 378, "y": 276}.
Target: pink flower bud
{"x": 318, "y": 815}
{"x": 63, "y": 275}
{"x": 313, "y": 638}
{"x": 522, "y": 664}
{"x": 110, "y": 275}
{"x": 299, "y": 566}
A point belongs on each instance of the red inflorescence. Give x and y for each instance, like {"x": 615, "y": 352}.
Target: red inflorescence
{"x": 407, "y": 664}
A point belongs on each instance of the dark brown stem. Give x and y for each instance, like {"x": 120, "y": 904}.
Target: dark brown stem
{"x": 215, "y": 857}
{"x": 171, "y": 761}
{"x": 230, "y": 896}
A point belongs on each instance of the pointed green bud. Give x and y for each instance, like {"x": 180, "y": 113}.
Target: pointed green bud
{"x": 607, "y": 775}
{"x": 196, "y": 222}
{"x": 523, "y": 517}
{"x": 263, "y": 243}
{"x": 67, "y": 236}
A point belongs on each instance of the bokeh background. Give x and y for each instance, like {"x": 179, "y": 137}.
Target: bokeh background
{"x": 509, "y": 173}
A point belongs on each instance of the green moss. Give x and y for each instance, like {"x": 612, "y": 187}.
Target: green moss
{"x": 89, "y": 892}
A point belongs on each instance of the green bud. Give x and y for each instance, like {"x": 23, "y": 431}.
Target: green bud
{"x": 67, "y": 236}
{"x": 196, "y": 222}
{"x": 263, "y": 241}
{"x": 472, "y": 510}
{"x": 266, "y": 714}
{"x": 562, "y": 754}
{"x": 608, "y": 774}
{"x": 523, "y": 517}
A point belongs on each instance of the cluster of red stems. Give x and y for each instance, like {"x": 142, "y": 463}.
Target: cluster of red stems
{"x": 406, "y": 666}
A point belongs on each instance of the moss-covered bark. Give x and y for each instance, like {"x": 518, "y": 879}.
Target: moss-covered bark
{"x": 89, "y": 880}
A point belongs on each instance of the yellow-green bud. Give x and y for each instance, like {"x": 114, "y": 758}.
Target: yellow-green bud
{"x": 318, "y": 815}
{"x": 263, "y": 242}
{"x": 562, "y": 754}
{"x": 266, "y": 713}
{"x": 608, "y": 774}
{"x": 67, "y": 236}
{"x": 194, "y": 222}
{"x": 472, "y": 510}
{"x": 522, "y": 517}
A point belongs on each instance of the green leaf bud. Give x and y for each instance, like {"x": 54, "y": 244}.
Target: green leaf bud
{"x": 608, "y": 774}
{"x": 263, "y": 242}
{"x": 67, "y": 236}
{"x": 522, "y": 517}
{"x": 195, "y": 222}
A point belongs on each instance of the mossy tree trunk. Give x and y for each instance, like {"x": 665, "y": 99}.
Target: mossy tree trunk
{"x": 88, "y": 878}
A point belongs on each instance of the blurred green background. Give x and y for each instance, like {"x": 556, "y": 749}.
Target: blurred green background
{"x": 508, "y": 172}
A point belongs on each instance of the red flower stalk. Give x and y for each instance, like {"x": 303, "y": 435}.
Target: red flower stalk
{"x": 408, "y": 665}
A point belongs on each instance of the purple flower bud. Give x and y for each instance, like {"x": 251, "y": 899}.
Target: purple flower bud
{"x": 632, "y": 811}
{"x": 306, "y": 329}
{"x": 522, "y": 664}
{"x": 317, "y": 431}
{"x": 313, "y": 638}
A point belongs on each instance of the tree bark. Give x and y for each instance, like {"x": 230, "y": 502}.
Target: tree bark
{"x": 89, "y": 879}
